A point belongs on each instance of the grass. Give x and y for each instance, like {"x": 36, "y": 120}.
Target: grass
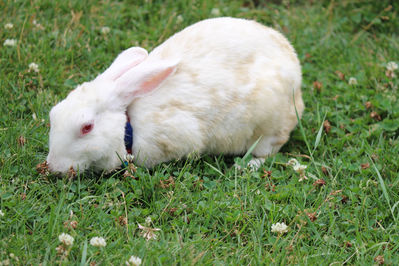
{"x": 210, "y": 213}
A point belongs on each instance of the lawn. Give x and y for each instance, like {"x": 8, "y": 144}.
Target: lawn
{"x": 207, "y": 212}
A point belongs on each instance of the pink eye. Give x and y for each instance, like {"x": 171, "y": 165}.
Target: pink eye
{"x": 86, "y": 128}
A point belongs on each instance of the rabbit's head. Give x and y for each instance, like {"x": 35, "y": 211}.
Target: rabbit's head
{"x": 87, "y": 127}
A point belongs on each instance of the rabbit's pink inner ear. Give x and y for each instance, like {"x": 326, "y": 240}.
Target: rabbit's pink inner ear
{"x": 153, "y": 81}
{"x": 124, "y": 62}
{"x": 143, "y": 79}
{"x": 122, "y": 69}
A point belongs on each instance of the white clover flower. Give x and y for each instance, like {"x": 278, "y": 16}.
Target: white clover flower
{"x": 98, "y": 242}
{"x": 129, "y": 158}
{"x": 66, "y": 239}
{"x": 37, "y": 25}
{"x": 279, "y": 228}
{"x": 215, "y": 12}
{"x": 10, "y": 42}
{"x": 299, "y": 168}
{"x": 105, "y": 30}
{"x": 34, "y": 67}
{"x": 133, "y": 261}
{"x": 179, "y": 19}
{"x": 392, "y": 66}
{"x": 5, "y": 262}
{"x": 352, "y": 81}
{"x": 148, "y": 232}
{"x": 8, "y": 26}
{"x": 1, "y": 213}
{"x": 12, "y": 256}
{"x": 148, "y": 220}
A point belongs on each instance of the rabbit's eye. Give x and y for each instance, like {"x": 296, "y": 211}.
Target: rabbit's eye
{"x": 86, "y": 128}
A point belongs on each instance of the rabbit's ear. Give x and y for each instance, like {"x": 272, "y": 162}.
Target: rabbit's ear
{"x": 124, "y": 62}
{"x": 143, "y": 79}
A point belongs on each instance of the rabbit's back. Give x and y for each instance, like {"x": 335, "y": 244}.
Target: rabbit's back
{"x": 235, "y": 82}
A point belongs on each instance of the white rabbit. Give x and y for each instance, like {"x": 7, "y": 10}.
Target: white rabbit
{"x": 215, "y": 87}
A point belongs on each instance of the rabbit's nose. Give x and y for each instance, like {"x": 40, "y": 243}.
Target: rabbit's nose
{"x": 52, "y": 169}
{"x": 50, "y": 166}
{"x": 56, "y": 168}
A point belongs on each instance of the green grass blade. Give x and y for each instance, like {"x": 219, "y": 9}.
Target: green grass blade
{"x": 384, "y": 189}
{"x": 215, "y": 169}
{"x": 245, "y": 159}
{"x": 319, "y": 134}
{"x": 248, "y": 153}
{"x": 84, "y": 254}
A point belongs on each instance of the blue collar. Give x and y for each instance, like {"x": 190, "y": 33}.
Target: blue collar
{"x": 128, "y": 136}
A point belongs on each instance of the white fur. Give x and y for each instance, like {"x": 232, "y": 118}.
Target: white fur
{"x": 215, "y": 87}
